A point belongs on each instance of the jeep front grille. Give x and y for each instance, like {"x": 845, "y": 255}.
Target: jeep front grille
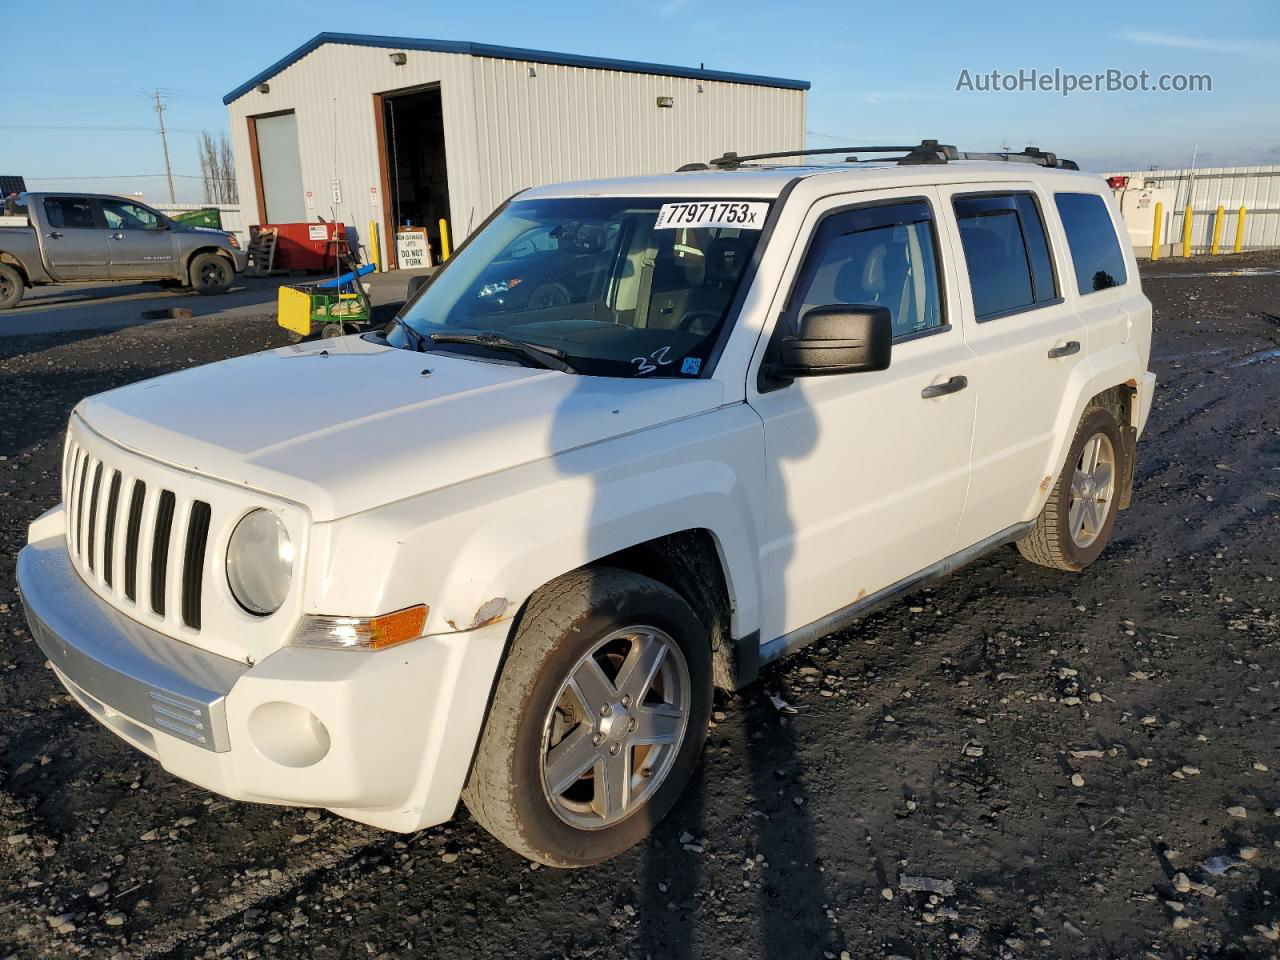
{"x": 164, "y": 538}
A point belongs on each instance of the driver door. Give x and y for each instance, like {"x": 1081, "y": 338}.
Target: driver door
{"x": 867, "y": 473}
{"x": 139, "y": 242}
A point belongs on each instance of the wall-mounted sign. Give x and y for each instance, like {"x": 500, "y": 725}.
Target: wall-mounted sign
{"x": 311, "y": 200}
{"x": 317, "y": 231}
{"x": 412, "y": 250}
{"x": 373, "y": 196}
{"x": 335, "y": 191}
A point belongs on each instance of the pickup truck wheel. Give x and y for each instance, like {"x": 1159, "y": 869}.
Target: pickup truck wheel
{"x": 211, "y": 273}
{"x": 598, "y": 719}
{"x": 1076, "y": 521}
{"x": 12, "y": 286}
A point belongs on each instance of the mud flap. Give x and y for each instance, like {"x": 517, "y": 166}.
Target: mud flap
{"x": 1128, "y": 457}
{"x": 737, "y": 665}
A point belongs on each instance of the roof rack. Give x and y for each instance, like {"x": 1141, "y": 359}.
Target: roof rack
{"x": 926, "y": 151}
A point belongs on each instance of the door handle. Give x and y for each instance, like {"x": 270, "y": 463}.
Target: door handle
{"x": 954, "y": 385}
{"x": 1066, "y": 350}
{"x": 54, "y": 235}
{"x": 116, "y": 236}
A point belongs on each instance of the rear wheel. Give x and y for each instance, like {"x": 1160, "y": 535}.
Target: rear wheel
{"x": 598, "y": 719}
{"x": 1076, "y": 521}
{"x": 12, "y": 286}
{"x": 211, "y": 273}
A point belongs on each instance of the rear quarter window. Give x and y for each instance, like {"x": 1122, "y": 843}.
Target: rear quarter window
{"x": 1091, "y": 236}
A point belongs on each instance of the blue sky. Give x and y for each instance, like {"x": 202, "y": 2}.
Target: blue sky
{"x": 75, "y": 83}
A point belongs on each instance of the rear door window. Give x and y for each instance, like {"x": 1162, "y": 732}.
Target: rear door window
{"x": 1091, "y": 236}
{"x": 69, "y": 213}
{"x": 1007, "y": 253}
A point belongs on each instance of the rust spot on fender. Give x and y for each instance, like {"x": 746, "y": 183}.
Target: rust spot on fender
{"x": 861, "y": 593}
{"x": 1044, "y": 484}
{"x": 1131, "y": 382}
{"x": 490, "y": 611}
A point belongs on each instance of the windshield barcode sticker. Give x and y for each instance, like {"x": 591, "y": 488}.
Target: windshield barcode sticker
{"x": 713, "y": 213}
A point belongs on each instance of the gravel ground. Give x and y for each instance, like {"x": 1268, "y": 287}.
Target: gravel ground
{"x": 1016, "y": 763}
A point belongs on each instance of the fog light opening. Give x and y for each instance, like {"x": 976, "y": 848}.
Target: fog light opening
{"x": 288, "y": 734}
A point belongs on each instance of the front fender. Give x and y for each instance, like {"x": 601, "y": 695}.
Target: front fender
{"x": 476, "y": 551}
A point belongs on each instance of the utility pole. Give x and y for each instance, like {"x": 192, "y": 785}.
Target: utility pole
{"x": 164, "y": 140}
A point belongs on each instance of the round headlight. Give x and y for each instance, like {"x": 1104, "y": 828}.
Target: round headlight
{"x": 260, "y": 562}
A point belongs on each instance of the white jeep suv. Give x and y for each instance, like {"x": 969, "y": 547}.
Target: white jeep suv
{"x": 637, "y": 439}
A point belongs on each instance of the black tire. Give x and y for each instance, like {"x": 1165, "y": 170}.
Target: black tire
{"x": 1051, "y": 542}
{"x": 12, "y": 286}
{"x": 562, "y": 623}
{"x": 211, "y": 273}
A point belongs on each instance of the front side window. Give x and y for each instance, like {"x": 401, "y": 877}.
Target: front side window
{"x": 1007, "y": 253}
{"x": 626, "y": 287}
{"x": 1091, "y": 235}
{"x": 69, "y": 213}
{"x": 128, "y": 216}
{"x": 880, "y": 256}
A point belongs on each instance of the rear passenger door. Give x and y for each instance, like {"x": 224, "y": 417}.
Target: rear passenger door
{"x": 1098, "y": 273}
{"x": 1027, "y": 340}
{"x": 74, "y": 242}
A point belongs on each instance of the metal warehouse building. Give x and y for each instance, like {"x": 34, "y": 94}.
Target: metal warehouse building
{"x": 395, "y": 131}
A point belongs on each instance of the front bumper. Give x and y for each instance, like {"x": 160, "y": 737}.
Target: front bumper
{"x": 240, "y": 258}
{"x": 385, "y": 738}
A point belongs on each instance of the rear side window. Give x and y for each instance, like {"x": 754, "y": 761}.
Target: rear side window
{"x": 71, "y": 213}
{"x": 1007, "y": 253}
{"x": 1091, "y": 235}
{"x": 880, "y": 256}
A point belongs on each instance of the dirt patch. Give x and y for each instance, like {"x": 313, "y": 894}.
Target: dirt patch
{"x": 1015, "y": 763}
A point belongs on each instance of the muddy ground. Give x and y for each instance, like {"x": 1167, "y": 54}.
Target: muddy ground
{"x": 940, "y": 739}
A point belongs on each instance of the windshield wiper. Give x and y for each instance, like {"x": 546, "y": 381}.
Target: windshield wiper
{"x": 548, "y": 358}
{"x": 416, "y": 340}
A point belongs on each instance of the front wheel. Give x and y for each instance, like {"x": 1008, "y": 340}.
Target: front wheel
{"x": 12, "y": 286}
{"x": 1076, "y": 521}
{"x": 598, "y": 719}
{"x": 211, "y": 273}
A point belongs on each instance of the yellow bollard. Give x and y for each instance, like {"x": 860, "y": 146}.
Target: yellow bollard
{"x": 444, "y": 239}
{"x": 1186, "y": 231}
{"x": 1155, "y": 232}
{"x": 1217, "y": 231}
{"x": 1239, "y": 245}
{"x": 375, "y": 251}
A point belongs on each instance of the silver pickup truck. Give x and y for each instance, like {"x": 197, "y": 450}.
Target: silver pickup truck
{"x": 82, "y": 236}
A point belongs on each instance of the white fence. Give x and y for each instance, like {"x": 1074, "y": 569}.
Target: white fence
{"x": 1257, "y": 189}
{"x": 231, "y": 218}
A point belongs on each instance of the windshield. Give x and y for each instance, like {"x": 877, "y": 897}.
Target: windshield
{"x": 624, "y": 287}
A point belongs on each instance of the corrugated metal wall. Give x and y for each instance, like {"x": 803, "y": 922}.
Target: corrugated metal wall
{"x": 504, "y": 129}
{"x": 1255, "y": 188}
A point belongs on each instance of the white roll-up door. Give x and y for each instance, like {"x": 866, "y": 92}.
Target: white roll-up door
{"x": 280, "y": 166}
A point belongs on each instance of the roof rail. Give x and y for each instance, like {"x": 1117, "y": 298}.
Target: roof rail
{"x": 1028, "y": 155}
{"x": 926, "y": 151}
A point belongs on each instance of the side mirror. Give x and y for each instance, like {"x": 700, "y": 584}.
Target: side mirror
{"x": 416, "y": 284}
{"x": 841, "y": 338}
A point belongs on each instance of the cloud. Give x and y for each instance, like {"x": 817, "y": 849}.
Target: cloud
{"x": 1204, "y": 44}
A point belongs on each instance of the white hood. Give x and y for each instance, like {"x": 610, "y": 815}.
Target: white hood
{"x": 342, "y": 426}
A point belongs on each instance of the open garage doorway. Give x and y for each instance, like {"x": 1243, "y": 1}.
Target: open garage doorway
{"x": 415, "y": 180}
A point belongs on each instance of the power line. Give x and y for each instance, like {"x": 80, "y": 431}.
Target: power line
{"x": 126, "y": 176}
{"x": 76, "y": 126}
